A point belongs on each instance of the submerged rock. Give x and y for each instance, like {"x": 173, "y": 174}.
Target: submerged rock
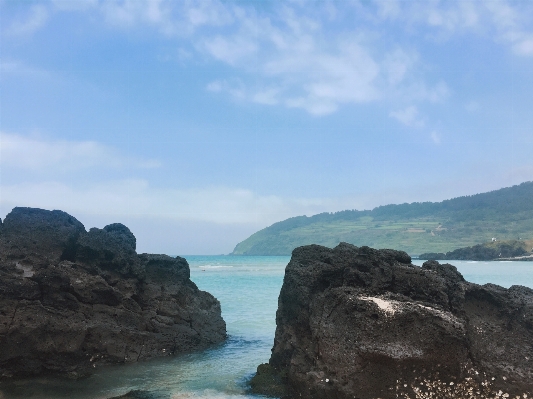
{"x": 72, "y": 300}
{"x": 363, "y": 323}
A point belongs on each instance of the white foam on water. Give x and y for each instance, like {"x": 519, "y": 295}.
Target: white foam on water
{"x": 207, "y": 394}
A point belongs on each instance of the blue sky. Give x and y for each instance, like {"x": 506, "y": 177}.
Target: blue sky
{"x": 196, "y": 123}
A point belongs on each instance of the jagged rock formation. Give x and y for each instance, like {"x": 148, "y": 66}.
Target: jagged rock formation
{"x": 72, "y": 300}
{"x": 363, "y": 323}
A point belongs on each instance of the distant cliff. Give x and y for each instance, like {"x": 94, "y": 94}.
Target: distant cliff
{"x": 365, "y": 323}
{"x": 494, "y": 250}
{"x": 415, "y": 228}
{"x": 72, "y": 300}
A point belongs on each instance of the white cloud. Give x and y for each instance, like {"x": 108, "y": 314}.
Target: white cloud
{"x": 12, "y": 67}
{"x": 42, "y": 156}
{"x": 230, "y": 50}
{"x": 454, "y": 16}
{"x": 128, "y": 13}
{"x": 37, "y": 18}
{"x": 504, "y": 20}
{"x": 268, "y": 96}
{"x": 435, "y": 137}
{"x": 511, "y": 22}
{"x": 438, "y": 93}
{"x": 135, "y": 198}
{"x": 420, "y": 91}
{"x": 314, "y": 106}
{"x": 388, "y": 9}
{"x": 288, "y": 57}
{"x": 503, "y": 14}
{"x": 472, "y": 106}
{"x": 299, "y": 74}
{"x": 235, "y": 88}
{"x": 170, "y": 17}
{"x": 304, "y": 65}
{"x": 208, "y": 12}
{"x": 397, "y": 64}
{"x": 524, "y": 46}
{"x": 73, "y": 5}
{"x": 409, "y": 117}
{"x": 215, "y": 86}
{"x": 291, "y": 55}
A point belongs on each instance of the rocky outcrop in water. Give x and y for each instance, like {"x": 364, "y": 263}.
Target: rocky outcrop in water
{"x": 363, "y": 323}
{"x": 72, "y": 300}
{"x": 498, "y": 250}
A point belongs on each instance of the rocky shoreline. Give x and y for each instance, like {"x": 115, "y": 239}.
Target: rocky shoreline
{"x": 528, "y": 258}
{"x": 72, "y": 300}
{"x": 512, "y": 250}
{"x": 363, "y": 323}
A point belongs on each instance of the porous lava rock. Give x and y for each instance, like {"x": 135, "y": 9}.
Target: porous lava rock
{"x": 72, "y": 300}
{"x": 364, "y": 323}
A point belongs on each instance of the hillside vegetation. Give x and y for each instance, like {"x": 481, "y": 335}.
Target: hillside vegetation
{"x": 416, "y": 228}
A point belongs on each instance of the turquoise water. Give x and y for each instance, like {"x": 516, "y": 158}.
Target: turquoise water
{"x": 248, "y": 289}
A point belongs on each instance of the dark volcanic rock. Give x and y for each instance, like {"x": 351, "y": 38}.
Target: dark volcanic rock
{"x": 364, "y": 323}
{"x": 37, "y": 234}
{"x": 483, "y": 252}
{"x": 72, "y": 300}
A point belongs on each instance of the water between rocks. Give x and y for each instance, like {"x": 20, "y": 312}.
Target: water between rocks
{"x": 248, "y": 289}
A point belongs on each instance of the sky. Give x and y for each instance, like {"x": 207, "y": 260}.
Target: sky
{"x": 197, "y": 123}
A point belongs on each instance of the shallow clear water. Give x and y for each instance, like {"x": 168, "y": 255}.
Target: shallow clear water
{"x": 248, "y": 289}
{"x": 500, "y": 273}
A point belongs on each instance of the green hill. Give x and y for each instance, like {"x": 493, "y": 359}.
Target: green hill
{"x": 415, "y": 228}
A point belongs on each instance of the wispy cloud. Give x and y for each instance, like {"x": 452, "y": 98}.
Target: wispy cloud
{"x": 136, "y": 198}
{"x": 169, "y": 17}
{"x": 452, "y": 16}
{"x": 505, "y": 21}
{"x": 472, "y": 106}
{"x": 511, "y": 22}
{"x": 435, "y": 137}
{"x": 70, "y": 5}
{"x": 295, "y": 56}
{"x": 286, "y": 56}
{"x": 34, "y": 153}
{"x": 409, "y": 117}
{"x": 295, "y": 64}
{"x": 230, "y": 50}
{"x": 235, "y": 88}
{"x": 13, "y": 67}
{"x": 36, "y": 19}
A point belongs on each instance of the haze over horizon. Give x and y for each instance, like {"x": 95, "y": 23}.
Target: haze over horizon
{"x": 197, "y": 123}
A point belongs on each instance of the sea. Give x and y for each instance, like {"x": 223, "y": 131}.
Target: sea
{"x": 247, "y": 288}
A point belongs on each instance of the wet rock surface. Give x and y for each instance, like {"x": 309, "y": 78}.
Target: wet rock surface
{"x": 363, "y": 323}
{"x": 72, "y": 300}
